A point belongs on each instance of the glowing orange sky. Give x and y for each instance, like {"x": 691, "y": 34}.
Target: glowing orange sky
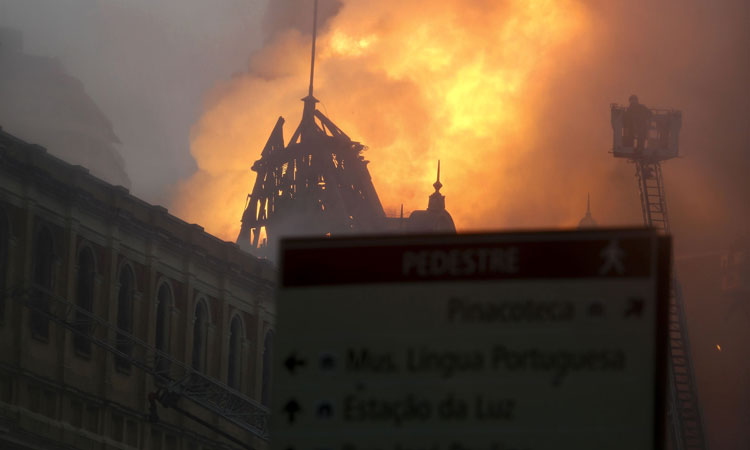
{"x": 456, "y": 84}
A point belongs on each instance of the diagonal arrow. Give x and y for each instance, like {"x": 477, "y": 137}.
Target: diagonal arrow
{"x": 292, "y": 363}
{"x": 291, "y": 409}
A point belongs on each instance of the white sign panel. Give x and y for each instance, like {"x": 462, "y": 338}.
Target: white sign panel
{"x": 527, "y": 341}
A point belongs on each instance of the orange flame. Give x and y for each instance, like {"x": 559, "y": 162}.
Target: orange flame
{"x": 416, "y": 81}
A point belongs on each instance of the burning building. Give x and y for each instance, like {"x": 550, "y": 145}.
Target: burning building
{"x": 463, "y": 85}
{"x": 318, "y": 184}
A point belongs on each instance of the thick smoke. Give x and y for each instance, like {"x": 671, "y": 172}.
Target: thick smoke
{"x": 146, "y": 64}
{"x": 512, "y": 96}
{"x": 413, "y": 91}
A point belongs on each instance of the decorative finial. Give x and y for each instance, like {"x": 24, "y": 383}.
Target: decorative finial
{"x": 437, "y": 185}
{"x": 587, "y": 221}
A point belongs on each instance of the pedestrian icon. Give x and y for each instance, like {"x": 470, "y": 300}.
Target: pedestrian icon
{"x": 612, "y": 255}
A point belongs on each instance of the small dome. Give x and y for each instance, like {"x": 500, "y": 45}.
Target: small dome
{"x": 431, "y": 221}
{"x": 435, "y": 218}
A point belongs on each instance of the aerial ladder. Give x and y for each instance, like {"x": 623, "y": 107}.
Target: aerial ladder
{"x": 657, "y": 141}
{"x": 176, "y": 381}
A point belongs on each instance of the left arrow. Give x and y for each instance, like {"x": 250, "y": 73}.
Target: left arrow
{"x": 291, "y": 409}
{"x": 292, "y": 362}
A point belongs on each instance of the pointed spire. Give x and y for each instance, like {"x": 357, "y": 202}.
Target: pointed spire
{"x": 312, "y": 57}
{"x": 437, "y": 200}
{"x": 308, "y": 112}
{"x": 437, "y": 185}
{"x": 587, "y": 221}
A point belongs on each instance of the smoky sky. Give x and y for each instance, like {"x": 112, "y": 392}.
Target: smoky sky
{"x": 147, "y": 65}
{"x": 151, "y": 65}
{"x": 153, "y": 68}
{"x": 295, "y": 14}
{"x": 689, "y": 55}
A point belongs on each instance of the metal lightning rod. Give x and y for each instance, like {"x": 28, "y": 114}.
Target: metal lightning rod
{"x": 312, "y": 57}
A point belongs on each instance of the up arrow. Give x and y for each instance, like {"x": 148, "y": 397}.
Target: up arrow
{"x": 292, "y": 362}
{"x": 291, "y": 409}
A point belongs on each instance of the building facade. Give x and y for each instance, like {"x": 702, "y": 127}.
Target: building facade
{"x": 107, "y": 304}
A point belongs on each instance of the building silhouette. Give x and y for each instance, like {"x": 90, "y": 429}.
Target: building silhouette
{"x": 112, "y": 309}
{"x": 318, "y": 184}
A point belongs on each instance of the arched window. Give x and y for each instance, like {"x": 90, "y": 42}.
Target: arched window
{"x": 265, "y": 394}
{"x": 234, "y": 369}
{"x": 84, "y": 301}
{"x": 164, "y": 302}
{"x": 4, "y": 253}
{"x": 125, "y": 295}
{"x": 44, "y": 258}
{"x": 200, "y": 336}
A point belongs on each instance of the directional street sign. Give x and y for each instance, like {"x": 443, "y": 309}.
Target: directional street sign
{"x": 524, "y": 341}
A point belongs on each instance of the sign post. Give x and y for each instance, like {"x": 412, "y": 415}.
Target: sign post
{"x": 525, "y": 341}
